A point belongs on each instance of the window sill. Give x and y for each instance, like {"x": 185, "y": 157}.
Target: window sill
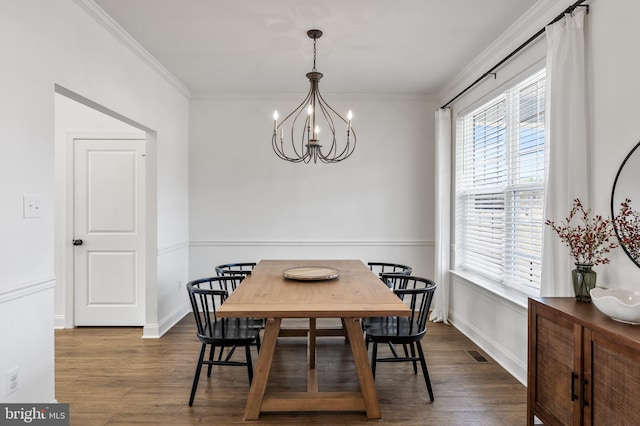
{"x": 512, "y": 295}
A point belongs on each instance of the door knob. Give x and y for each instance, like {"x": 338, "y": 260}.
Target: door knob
{"x": 77, "y": 242}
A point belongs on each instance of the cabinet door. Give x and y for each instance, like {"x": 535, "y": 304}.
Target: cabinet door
{"x": 554, "y": 367}
{"x": 613, "y": 370}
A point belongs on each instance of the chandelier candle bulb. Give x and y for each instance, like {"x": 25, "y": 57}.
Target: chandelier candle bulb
{"x": 275, "y": 120}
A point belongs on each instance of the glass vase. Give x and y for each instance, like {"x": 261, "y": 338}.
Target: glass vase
{"x": 584, "y": 279}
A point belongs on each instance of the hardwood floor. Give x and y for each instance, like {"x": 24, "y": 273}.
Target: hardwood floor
{"x": 112, "y": 376}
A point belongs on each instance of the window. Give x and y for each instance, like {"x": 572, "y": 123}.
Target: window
{"x": 500, "y": 187}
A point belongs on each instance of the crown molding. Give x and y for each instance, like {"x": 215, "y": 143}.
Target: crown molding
{"x": 526, "y": 26}
{"x": 301, "y": 95}
{"x": 113, "y": 28}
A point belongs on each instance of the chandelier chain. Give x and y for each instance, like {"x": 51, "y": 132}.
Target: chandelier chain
{"x": 314, "y": 54}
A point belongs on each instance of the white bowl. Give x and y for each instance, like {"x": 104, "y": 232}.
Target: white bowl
{"x": 621, "y": 304}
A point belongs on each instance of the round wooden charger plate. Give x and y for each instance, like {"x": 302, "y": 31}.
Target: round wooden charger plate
{"x": 311, "y": 273}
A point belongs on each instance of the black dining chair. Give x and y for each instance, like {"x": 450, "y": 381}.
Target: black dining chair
{"x": 206, "y": 297}
{"x": 417, "y": 293}
{"x": 242, "y": 268}
{"x": 239, "y": 271}
{"x": 397, "y": 280}
{"x": 381, "y": 268}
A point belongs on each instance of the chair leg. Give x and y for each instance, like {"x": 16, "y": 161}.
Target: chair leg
{"x": 413, "y": 355}
{"x": 247, "y": 349}
{"x": 211, "y": 354}
{"x": 196, "y": 376}
{"x": 220, "y": 354}
{"x": 393, "y": 350}
{"x": 374, "y": 357}
{"x": 258, "y": 342}
{"x": 423, "y": 362}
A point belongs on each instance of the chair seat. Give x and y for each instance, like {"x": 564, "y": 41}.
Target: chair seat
{"x": 232, "y": 331}
{"x": 394, "y": 329}
{"x": 373, "y": 321}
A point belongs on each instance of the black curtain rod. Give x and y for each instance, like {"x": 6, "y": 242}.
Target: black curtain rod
{"x": 518, "y": 49}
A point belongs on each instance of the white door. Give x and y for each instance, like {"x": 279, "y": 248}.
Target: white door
{"x": 109, "y": 238}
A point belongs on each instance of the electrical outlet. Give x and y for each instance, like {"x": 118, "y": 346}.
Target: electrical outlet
{"x": 13, "y": 380}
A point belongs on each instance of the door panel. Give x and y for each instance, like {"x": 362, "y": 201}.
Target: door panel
{"x": 111, "y": 278}
{"x": 108, "y": 218}
{"x": 111, "y": 192}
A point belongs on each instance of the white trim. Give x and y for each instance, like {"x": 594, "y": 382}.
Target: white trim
{"x": 59, "y": 322}
{"x": 540, "y": 14}
{"x": 151, "y": 331}
{"x": 20, "y": 290}
{"x": 515, "y": 367}
{"x": 155, "y": 331}
{"x": 300, "y": 243}
{"x": 67, "y": 249}
{"x": 113, "y": 28}
{"x": 496, "y": 291}
{"x": 169, "y": 248}
{"x": 301, "y": 95}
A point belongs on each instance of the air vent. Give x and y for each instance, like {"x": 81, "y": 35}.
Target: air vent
{"x": 477, "y": 356}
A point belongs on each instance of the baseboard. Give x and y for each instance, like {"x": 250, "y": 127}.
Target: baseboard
{"x": 155, "y": 331}
{"x": 516, "y": 368}
{"x": 58, "y": 322}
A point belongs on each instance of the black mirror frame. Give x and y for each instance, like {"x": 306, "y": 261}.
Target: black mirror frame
{"x": 614, "y": 208}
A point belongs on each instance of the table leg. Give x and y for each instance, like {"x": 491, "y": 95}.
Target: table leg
{"x": 263, "y": 368}
{"x": 312, "y": 343}
{"x": 361, "y": 359}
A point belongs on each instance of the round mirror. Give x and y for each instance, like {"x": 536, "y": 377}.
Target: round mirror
{"x": 625, "y": 186}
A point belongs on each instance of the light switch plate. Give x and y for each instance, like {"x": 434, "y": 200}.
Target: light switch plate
{"x": 31, "y": 206}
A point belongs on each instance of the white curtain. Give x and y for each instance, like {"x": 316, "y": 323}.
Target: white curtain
{"x": 440, "y": 309}
{"x": 567, "y": 144}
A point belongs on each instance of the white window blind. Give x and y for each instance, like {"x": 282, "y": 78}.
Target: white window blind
{"x": 499, "y": 186}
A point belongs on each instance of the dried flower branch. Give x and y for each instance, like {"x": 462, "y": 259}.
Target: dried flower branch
{"x": 628, "y": 226}
{"x": 591, "y": 239}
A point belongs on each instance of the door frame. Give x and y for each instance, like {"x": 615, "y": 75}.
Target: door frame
{"x": 65, "y": 247}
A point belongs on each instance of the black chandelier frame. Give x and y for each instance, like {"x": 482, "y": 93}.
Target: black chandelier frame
{"x": 306, "y": 127}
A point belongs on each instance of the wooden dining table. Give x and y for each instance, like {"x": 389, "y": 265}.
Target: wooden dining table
{"x": 355, "y": 293}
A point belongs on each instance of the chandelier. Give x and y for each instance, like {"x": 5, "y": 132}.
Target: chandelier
{"x": 304, "y": 126}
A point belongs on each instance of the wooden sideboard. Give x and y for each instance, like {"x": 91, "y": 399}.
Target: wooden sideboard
{"x": 583, "y": 367}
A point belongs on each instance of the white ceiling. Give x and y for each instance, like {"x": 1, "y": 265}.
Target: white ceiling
{"x": 368, "y": 46}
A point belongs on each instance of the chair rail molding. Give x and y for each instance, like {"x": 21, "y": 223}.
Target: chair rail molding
{"x": 310, "y": 243}
{"x": 168, "y": 248}
{"x": 19, "y": 290}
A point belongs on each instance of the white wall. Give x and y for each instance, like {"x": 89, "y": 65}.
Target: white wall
{"x": 49, "y": 42}
{"x": 498, "y": 323}
{"x": 246, "y": 204}
{"x": 614, "y": 125}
